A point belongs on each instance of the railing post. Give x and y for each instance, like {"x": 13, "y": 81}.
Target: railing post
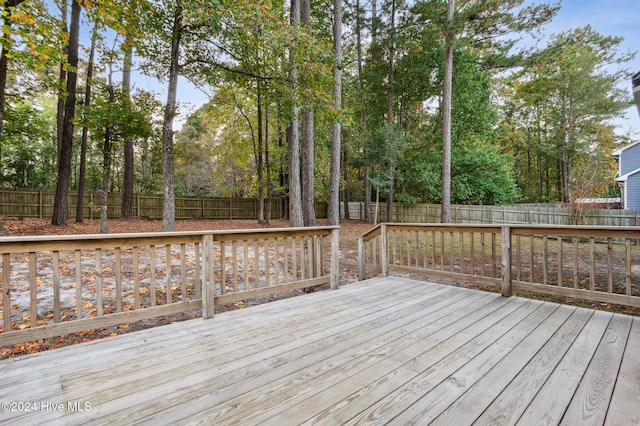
{"x": 361, "y": 259}
{"x": 384, "y": 250}
{"x": 506, "y": 261}
{"x": 208, "y": 294}
{"x": 335, "y": 258}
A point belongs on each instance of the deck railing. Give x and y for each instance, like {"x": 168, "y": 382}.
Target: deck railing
{"x": 591, "y": 263}
{"x": 63, "y": 284}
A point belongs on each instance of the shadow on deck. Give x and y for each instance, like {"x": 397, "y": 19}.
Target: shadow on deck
{"x": 386, "y": 350}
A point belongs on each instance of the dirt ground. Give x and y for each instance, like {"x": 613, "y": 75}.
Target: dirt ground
{"x": 9, "y": 226}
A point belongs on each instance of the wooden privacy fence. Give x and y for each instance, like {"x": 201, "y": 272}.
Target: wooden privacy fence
{"x": 572, "y": 261}
{"x": 63, "y": 284}
{"x": 513, "y": 214}
{"x": 34, "y": 203}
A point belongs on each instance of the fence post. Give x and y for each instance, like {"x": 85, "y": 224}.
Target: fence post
{"x": 506, "y": 261}
{"x": 384, "y": 247}
{"x": 335, "y": 259}
{"x": 208, "y": 294}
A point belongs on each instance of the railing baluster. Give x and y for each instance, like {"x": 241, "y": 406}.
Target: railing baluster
{"x": 199, "y": 275}
{"x": 256, "y": 264}
{"x": 294, "y": 258}
{"x": 433, "y": 249}
{"x": 136, "y": 277}
{"x": 223, "y": 268}
{"x": 545, "y": 259}
{"x": 451, "y": 254}
{"x": 610, "y": 265}
{"x": 472, "y": 244}
{"x": 118, "y": 280}
{"x": 628, "y": 266}
{"x": 245, "y": 263}
{"x": 442, "y": 254}
{"x": 285, "y": 267}
{"x": 276, "y": 266}
{"x": 152, "y": 269}
{"x": 78, "y": 276}
{"x": 592, "y": 263}
{"x": 493, "y": 255}
{"x": 33, "y": 290}
{"x": 461, "y": 252}
{"x": 484, "y": 259}
{"x": 266, "y": 263}
{"x": 56, "y": 286}
{"x": 234, "y": 255}
{"x": 183, "y": 271}
{"x": 559, "y": 284}
{"x": 168, "y": 273}
{"x": 518, "y": 257}
{"x": 99, "y": 306}
{"x": 576, "y": 259}
{"x": 531, "y": 258}
{"x": 6, "y": 291}
{"x": 424, "y": 250}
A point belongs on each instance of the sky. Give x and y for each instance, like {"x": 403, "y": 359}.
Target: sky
{"x": 607, "y": 17}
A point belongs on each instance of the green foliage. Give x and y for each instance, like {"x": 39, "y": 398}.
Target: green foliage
{"x": 557, "y": 112}
{"x": 28, "y": 145}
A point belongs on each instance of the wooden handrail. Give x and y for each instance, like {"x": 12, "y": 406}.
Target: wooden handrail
{"x": 573, "y": 261}
{"x": 75, "y": 283}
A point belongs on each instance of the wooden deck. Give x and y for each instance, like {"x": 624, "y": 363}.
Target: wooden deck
{"x": 384, "y": 351}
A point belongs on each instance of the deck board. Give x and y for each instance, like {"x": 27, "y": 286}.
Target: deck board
{"x": 384, "y": 351}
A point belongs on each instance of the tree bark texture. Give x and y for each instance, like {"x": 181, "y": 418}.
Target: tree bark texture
{"x": 260, "y": 158}
{"x": 85, "y": 130}
{"x": 293, "y": 136}
{"x": 446, "y": 118}
{"x": 169, "y": 203}
{"x": 363, "y": 112}
{"x": 391, "y": 166}
{"x": 333, "y": 211}
{"x": 62, "y": 78}
{"x": 126, "y": 208}
{"x": 308, "y": 176}
{"x": 61, "y": 202}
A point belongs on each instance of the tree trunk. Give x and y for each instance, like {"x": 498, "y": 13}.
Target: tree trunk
{"x": 6, "y": 41}
{"x": 363, "y": 113}
{"x": 391, "y": 166}
{"x": 308, "y": 176}
{"x": 62, "y": 76}
{"x": 85, "y": 129}
{"x": 446, "y": 118}
{"x": 61, "y": 202}
{"x": 333, "y": 212}
{"x": 169, "y": 204}
{"x": 126, "y": 208}
{"x": 267, "y": 165}
{"x": 292, "y": 135}
{"x": 259, "y": 158}
{"x": 106, "y": 178}
{"x": 345, "y": 190}
{"x": 566, "y": 168}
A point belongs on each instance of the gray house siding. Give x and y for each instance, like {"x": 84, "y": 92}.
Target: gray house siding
{"x": 632, "y": 201}
{"x": 629, "y": 159}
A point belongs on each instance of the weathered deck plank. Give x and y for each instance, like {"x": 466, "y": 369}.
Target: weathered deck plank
{"x": 384, "y": 351}
{"x": 625, "y": 402}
